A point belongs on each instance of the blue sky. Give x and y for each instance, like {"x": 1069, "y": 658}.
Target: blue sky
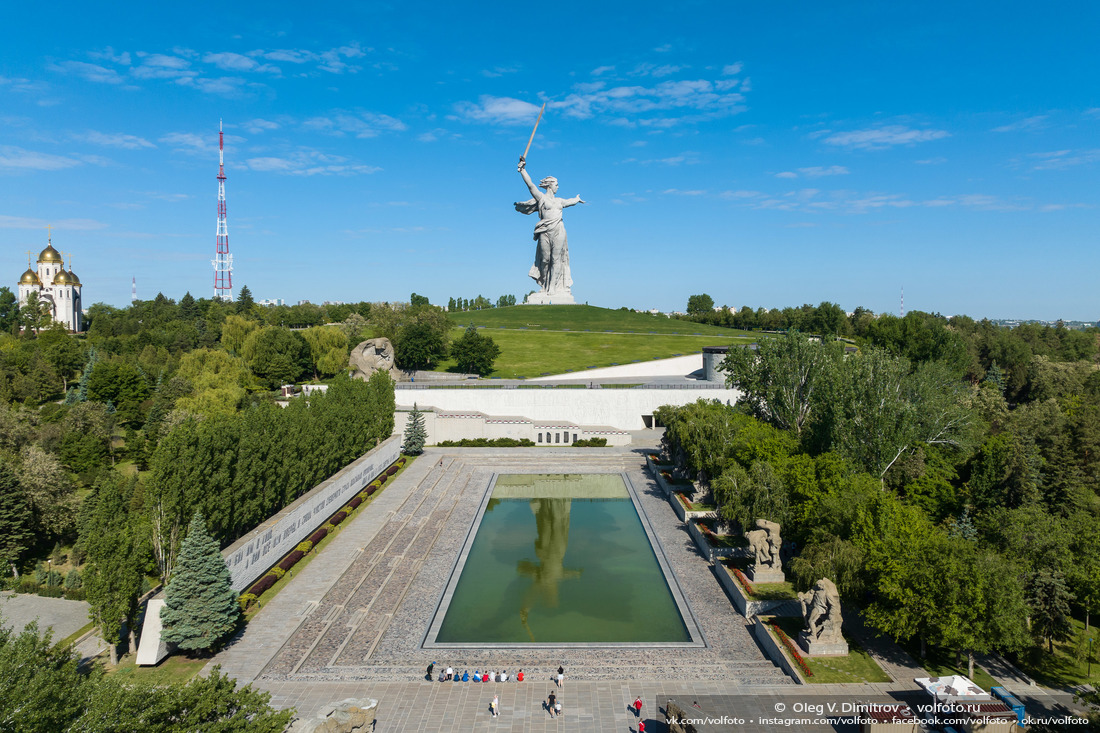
{"x": 767, "y": 154}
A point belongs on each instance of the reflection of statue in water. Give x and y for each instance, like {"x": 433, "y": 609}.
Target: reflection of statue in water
{"x": 552, "y": 521}
{"x": 821, "y": 611}
{"x": 551, "y": 268}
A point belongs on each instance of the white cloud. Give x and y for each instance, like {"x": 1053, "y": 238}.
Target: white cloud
{"x": 16, "y": 158}
{"x": 498, "y": 111}
{"x": 24, "y": 222}
{"x": 360, "y": 124}
{"x": 259, "y": 125}
{"x": 732, "y": 69}
{"x": 89, "y": 72}
{"x": 226, "y": 86}
{"x": 635, "y": 105}
{"x": 686, "y": 158}
{"x": 786, "y": 174}
{"x": 19, "y": 84}
{"x": 162, "y": 66}
{"x": 114, "y": 140}
{"x": 499, "y": 71}
{"x": 939, "y": 160}
{"x": 602, "y": 70}
{"x": 229, "y": 61}
{"x": 880, "y": 138}
{"x": 1028, "y": 124}
{"x": 678, "y": 192}
{"x": 189, "y": 142}
{"x": 818, "y": 171}
{"x": 1058, "y": 159}
{"x": 108, "y": 54}
{"x": 309, "y": 163}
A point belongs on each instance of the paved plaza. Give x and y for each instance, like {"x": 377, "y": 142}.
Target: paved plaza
{"x": 351, "y": 625}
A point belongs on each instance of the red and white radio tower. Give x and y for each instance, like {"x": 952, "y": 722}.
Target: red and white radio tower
{"x": 223, "y": 261}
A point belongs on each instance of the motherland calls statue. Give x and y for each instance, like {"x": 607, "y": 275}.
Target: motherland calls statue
{"x": 765, "y": 544}
{"x": 551, "y": 268}
{"x": 821, "y": 612}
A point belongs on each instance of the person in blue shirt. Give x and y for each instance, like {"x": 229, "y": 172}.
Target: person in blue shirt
{"x": 466, "y": 676}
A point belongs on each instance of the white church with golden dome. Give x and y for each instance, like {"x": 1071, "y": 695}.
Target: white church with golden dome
{"x": 57, "y": 287}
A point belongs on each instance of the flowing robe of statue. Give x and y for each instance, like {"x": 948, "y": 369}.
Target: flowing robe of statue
{"x": 551, "y": 268}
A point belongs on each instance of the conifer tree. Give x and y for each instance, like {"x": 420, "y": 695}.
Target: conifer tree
{"x": 200, "y": 604}
{"x": 15, "y": 519}
{"x": 415, "y": 434}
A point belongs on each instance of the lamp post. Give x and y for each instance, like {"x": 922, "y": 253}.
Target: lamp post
{"x": 1088, "y": 675}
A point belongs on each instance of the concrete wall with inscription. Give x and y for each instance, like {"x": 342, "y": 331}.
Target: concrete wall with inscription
{"x": 252, "y": 555}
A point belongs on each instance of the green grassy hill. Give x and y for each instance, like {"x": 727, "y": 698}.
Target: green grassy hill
{"x": 536, "y": 340}
{"x": 582, "y": 318}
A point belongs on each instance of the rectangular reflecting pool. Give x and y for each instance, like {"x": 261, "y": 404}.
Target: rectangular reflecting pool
{"x": 559, "y": 559}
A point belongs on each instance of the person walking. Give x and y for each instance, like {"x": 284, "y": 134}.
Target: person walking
{"x": 561, "y": 676}
{"x": 551, "y": 701}
{"x": 638, "y": 708}
{"x": 430, "y": 668}
{"x": 493, "y": 705}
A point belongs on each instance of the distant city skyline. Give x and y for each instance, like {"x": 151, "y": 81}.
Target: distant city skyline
{"x": 768, "y": 156}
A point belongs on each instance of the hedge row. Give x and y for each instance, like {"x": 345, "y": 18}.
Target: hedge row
{"x": 487, "y": 443}
{"x": 303, "y": 548}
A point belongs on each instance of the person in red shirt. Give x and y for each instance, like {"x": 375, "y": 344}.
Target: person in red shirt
{"x": 638, "y": 707}
{"x": 519, "y": 676}
{"x": 641, "y": 726}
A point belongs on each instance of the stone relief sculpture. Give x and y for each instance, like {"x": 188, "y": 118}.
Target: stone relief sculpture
{"x": 371, "y": 356}
{"x": 821, "y": 612}
{"x": 551, "y": 268}
{"x": 766, "y": 544}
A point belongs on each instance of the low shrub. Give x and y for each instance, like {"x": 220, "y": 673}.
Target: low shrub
{"x": 75, "y": 594}
{"x": 401, "y": 461}
{"x": 305, "y": 546}
{"x": 371, "y": 489}
{"x": 328, "y": 526}
{"x": 392, "y": 470}
{"x": 72, "y": 580}
{"x": 263, "y": 585}
{"x": 291, "y": 560}
{"x": 590, "y": 443}
{"x": 246, "y": 601}
{"x": 354, "y": 503}
{"x": 277, "y": 571}
{"x": 338, "y": 517}
{"x": 487, "y": 443}
{"x": 318, "y": 535}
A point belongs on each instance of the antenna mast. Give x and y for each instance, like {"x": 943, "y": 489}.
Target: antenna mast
{"x": 133, "y": 288}
{"x": 223, "y": 261}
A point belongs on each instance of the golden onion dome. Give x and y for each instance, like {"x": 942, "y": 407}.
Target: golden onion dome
{"x": 49, "y": 255}
{"x": 30, "y": 277}
{"x": 73, "y": 277}
{"x": 62, "y": 278}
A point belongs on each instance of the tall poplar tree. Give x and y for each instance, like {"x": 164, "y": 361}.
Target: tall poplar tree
{"x": 15, "y": 519}
{"x": 200, "y": 604}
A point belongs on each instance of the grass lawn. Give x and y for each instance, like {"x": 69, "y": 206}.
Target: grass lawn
{"x": 538, "y": 353}
{"x": 583, "y": 318}
{"x": 173, "y": 669}
{"x": 858, "y": 666}
{"x": 1061, "y": 668}
{"x": 695, "y": 506}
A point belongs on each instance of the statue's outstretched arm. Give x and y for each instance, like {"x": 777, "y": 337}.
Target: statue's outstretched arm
{"x": 573, "y": 201}
{"x": 527, "y": 179}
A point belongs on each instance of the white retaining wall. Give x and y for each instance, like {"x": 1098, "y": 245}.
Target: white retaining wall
{"x": 250, "y": 557}
{"x": 617, "y": 408}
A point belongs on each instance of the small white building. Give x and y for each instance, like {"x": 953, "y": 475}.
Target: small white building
{"x": 57, "y": 287}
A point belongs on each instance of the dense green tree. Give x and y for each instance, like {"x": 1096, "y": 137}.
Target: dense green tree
{"x": 35, "y": 312}
{"x": 9, "y": 311}
{"x": 244, "y": 300}
{"x": 1049, "y": 600}
{"x": 276, "y": 355}
{"x": 41, "y": 687}
{"x": 112, "y": 577}
{"x": 417, "y": 300}
{"x": 474, "y": 353}
{"x": 235, "y": 331}
{"x": 50, "y": 492}
{"x": 218, "y": 382}
{"x": 418, "y": 346}
{"x": 785, "y": 381}
{"x": 698, "y": 304}
{"x": 188, "y": 310}
{"x": 200, "y": 605}
{"x": 328, "y": 350}
{"x": 415, "y": 434}
{"x": 16, "y": 521}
